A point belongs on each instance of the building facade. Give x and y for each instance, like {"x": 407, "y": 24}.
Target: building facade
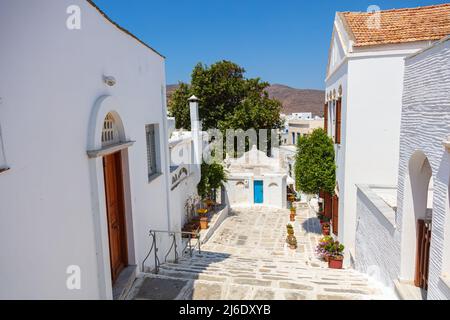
{"x": 364, "y": 97}
{"x": 416, "y": 239}
{"x": 300, "y": 127}
{"x": 256, "y": 179}
{"x": 85, "y": 172}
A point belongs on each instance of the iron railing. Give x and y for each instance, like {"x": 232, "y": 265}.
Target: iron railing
{"x": 172, "y": 234}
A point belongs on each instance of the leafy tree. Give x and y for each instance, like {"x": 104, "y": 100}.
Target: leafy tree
{"x": 178, "y": 106}
{"x": 227, "y": 100}
{"x": 315, "y": 169}
{"x": 213, "y": 177}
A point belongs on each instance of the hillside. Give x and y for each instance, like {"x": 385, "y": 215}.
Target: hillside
{"x": 293, "y": 100}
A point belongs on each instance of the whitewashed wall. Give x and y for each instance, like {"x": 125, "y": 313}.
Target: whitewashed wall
{"x": 239, "y": 190}
{"x": 377, "y": 246}
{"x": 372, "y": 131}
{"x": 240, "y": 193}
{"x": 50, "y": 79}
{"x": 425, "y": 125}
{"x": 275, "y": 193}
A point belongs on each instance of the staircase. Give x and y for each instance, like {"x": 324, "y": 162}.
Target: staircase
{"x": 254, "y": 271}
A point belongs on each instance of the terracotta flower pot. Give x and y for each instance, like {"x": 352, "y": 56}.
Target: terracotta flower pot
{"x": 326, "y": 229}
{"x": 292, "y": 217}
{"x": 335, "y": 262}
{"x": 293, "y": 246}
{"x": 204, "y": 223}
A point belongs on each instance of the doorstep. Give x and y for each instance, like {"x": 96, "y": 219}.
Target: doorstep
{"x": 408, "y": 291}
{"x": 124, "y": 282}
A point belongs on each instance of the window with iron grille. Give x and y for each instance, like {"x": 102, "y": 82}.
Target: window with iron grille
{"x": 152, "y": 156}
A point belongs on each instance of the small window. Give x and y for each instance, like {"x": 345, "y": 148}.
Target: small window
{"x": 152, "y": 150}
{"x": 110, "y": 132}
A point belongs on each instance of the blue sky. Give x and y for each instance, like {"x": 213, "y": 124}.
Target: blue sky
{"x": 284, "y": 41}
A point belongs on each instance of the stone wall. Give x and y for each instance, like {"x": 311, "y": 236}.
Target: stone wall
{"x": 425, "y": 125}
{"x": 377, "y": 250}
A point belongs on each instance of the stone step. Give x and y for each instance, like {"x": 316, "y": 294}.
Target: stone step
{"x": 207, "y": 288}
{"x": 299, "y": 278}
{"x": 262, "y": 265}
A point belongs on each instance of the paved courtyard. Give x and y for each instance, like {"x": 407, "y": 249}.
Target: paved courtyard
{"x": 247, "y": 258}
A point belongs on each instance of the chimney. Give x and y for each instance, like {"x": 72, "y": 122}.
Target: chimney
{"x": 196, "y": 132}
{"x": 193, "y": 106}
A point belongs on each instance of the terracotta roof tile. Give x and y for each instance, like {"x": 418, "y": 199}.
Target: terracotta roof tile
{"x": 399, "y": 25}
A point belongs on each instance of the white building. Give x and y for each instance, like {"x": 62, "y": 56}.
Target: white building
{"x": 299, "y": 127}
{"x": 406, "y": 238}
{"x": 364, "y": 93}
{"x": 83, "y": 131}
{"x": 256, "y": 179}
{"x": 185, "y": 171}
{"x": 302, "y": 115}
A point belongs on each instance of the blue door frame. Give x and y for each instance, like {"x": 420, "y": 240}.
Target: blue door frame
{"x": 258, "y": 191}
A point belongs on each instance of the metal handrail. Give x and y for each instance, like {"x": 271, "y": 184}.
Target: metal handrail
{"x": 154, "y": 248}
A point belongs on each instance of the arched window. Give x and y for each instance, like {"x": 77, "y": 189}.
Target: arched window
{"x": 110, "y": 132}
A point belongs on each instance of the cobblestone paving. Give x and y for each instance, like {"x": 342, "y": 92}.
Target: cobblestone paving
{"x": 247, "y": 258}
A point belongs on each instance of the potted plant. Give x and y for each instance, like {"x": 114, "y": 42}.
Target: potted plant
{"x": 290, "y": 229}
{"x": 292, "y": 216}
{"x": 204, "y": 223}
{"x": 292, "y": 241}
{"x": 191, "y": 227}
{"x": 336, "y": 253}
{"x": 209, "y": 203}
{"x": 323, "y": 218}
{"x": 291, "y": 197}
{"x": 326, "y": 228}
{"x": 321, "y": 249}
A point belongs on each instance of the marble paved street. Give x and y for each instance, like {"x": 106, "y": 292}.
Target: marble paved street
{"x": 247, "y": 258}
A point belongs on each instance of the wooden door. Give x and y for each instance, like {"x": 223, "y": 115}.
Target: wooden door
{"x": 423, "y": 253}
{"x": 112, "y": 167}
{"x": 335, "y": 215}
{"x": 327, "y": 205}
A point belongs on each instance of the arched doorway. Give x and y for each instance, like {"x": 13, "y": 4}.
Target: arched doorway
{"x": 108, "y": 152}
{"x": 114, "y": 197}
{"x": 417, "y": 220}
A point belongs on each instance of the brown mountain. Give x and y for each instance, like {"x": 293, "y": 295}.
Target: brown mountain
{"x": 293, "y": 100}
{"x": 298, "y": 100}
